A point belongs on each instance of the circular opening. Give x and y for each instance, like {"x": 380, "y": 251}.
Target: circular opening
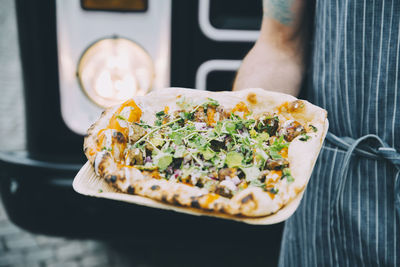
{"x": 113, "y": 70}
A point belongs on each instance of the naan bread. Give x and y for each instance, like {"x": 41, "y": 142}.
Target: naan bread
{"x": 250, "y": 202}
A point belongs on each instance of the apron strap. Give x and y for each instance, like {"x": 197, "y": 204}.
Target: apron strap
{"x": 384, "y": 151}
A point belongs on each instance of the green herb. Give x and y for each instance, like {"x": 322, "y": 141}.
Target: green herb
{"x": 248, "y": 123}
{"x": 261, "y": 126}
{"x": 160, "y": 114}
{"x": 230, "y": 127}
{"x": 210, "y": 102}
{"x": 187, "y": 115}
{"x": 168, "y": 149}
{"x": 155, "y": 130}
{"x": 246, "y": 141}
{"x": 157, "y": 140}
{"x": 218, "y": 128}
{"x": 187, "y": 172}
{"x": 315, "y": 129}
{"x": 121, "y": 117}
{"x": 107, "y": 148}
{"x": 176, "y": 138}
{"x": 183, "y": 103}
{"x": 143, "y": 124}
{"x": 179, "y": 152}
{"x": 198, "y": 141}
{"x": 260, "y": 152}
{"x": 208, "y": 153}
{"x": 175, "y": 127}
{"x": 100, "y": 191}
{"x": 279, "y": 144}
{"x": 272, "y": 190}
{"x": 286, "y": 174}
{"x": 262, "y": 137}
{"x": 233, "y": 159}
{"x": 274, "y": 154}
{"x": 251, "y": 173}
{"x": 257, "y": 183}
{"x": 146, "y": 168}
{"x": 253, "y": 133}
{"x": 208, "y": 184}
{"x": 304, "y": 137}
{"x": 218, "y": 161}
{"x": 276, "y": 147}
{"x": 163, "y": 161}
{"x": 234, "y": 117}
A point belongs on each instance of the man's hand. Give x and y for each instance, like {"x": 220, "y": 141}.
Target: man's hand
{"x": 277, "y": 60}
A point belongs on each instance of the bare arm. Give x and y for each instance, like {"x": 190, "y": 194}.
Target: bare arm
{"x": 277, "y": 60}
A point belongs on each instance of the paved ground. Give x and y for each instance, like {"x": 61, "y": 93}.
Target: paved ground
{"x": 20, "y": 248}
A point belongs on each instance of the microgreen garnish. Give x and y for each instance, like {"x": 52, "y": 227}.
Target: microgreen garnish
{"x": 184, "y": 146}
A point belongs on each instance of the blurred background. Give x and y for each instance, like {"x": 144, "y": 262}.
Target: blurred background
{"x": 62, "y": 63}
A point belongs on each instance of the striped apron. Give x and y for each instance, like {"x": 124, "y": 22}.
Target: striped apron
{"x": 350, "y": 213}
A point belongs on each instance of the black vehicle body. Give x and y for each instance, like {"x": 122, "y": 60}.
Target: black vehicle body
{"x": 36, "y": 184}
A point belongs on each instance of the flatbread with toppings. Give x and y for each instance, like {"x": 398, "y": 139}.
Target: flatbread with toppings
{"x": 245, "y": 153}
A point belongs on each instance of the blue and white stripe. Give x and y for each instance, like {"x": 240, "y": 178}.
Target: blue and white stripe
{"x": 350, "y": 217}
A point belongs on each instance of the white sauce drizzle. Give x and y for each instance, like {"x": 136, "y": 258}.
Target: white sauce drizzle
{"x": 97, "y": 160}
{"x": 228, "y": 184}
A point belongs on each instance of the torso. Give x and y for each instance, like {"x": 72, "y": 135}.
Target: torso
{"x": 355, "y": 77}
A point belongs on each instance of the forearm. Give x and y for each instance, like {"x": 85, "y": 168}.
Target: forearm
{"x": 277, "y": 60}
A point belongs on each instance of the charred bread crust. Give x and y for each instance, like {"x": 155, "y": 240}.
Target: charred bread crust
{"x": 251, "y": 202}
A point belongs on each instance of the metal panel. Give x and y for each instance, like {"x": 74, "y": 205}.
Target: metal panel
{"x": 77, "y": 29}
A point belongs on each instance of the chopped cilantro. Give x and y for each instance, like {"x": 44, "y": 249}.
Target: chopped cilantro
{"x": 230, "y": 127}
{"x": 262, "y": 137}
{"x": 208, "y": 153}
{"x": 280, "y": 144}
{"x": 233, "y": 159}
{"x": 234, "y": 117}
{"x": 251, "y": 173}
{"x": 248, "y": 123}
{"x": 304, "y": 137}
{"x": 107, "y": 148}
{"x": 187, "y": 115}
{"x": 160, "y": 114}
{"x": 257, "y": 183}
{"x": 210, "y": 102}
{"x": 179, "y": 152}
{"x": 157, "y": 140}
{"x": 286, "y": 174}
{"x": 198, "y": 141}
{"x": 146, "y": 168}
{"x": 253, "y": 133}
{"x": 121, "y": 117}
{"x": 315, "y": 129}
{"x": 276, "y": 147}
{"x": 274, "y": 154}
{"x": 272, "y": 190}
{"x": 218, "y": 128}
{"x": 176, "y": 138}
{"x": 100, "y": 190}
{"x": 183, "y": 103}
{"x": 143, "y": 124}
{"x": 163, "y": 161}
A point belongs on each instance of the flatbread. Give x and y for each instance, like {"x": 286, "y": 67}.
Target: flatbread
{"x": 250, "y": 202}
